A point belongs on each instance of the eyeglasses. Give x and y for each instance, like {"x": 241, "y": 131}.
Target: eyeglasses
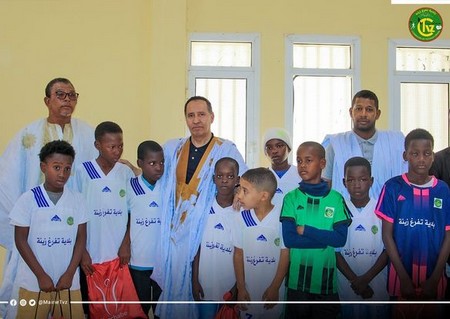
{"x": 61, "y": 95}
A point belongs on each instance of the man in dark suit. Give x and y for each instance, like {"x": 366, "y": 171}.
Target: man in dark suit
{"x": 441, "y": 170}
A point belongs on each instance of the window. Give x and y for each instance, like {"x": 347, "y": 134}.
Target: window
{"x": 322, "y": 73}
{"x": 420, "y": 88}
{"x": 225, "y": 69}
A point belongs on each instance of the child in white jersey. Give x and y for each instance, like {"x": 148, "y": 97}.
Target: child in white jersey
{"x": 260, "y": 259}
{"x": 212, "y": 269}
{"x": 144, "y": 205}
{"x": 277, "y": 146}
{"x": 362, "y": 261}
{"x": 103, "y": 182}
{"x": 50, "y": 235}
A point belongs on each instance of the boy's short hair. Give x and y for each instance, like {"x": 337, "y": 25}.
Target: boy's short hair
{"x": 366, "y": 94}
{"x": 357, "y": 161}
{"x": 105, "y": 128}
{"x": 227, "y": 159}
{"x": 320, "y": 150}
{"x": 418, "y": 134}
{"x": 262, "y": 179}
{"x": 148, "y": 146}
{"x": 56, "y": 147}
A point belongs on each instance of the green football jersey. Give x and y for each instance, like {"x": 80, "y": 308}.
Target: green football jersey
{"x": 313, "y": 270}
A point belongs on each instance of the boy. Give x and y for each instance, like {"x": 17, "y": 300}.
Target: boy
{"x": 103, "y": 182}
{"x": 212, "y": 269}
{"x": 362, "y": 261}
{"x": 50, "y": 235}
{"x": 260, "y": 259}
{"x": 277, "y": 146}
{"x": 144, "y": 204}
{"x": 416, "y": 225}
{"x": 315, "y": 221}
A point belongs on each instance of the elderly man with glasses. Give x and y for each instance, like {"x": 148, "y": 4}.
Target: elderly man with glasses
{"x": 20, "y": 165}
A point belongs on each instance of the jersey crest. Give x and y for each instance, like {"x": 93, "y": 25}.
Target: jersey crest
{"x": 437, "y": 203}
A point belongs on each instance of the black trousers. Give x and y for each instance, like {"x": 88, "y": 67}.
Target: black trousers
{"x": 308, "y": 310}
{"x": 147, "y": 289}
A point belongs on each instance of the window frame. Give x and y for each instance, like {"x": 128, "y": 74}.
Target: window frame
{"x": 251, "y": 74}
{"x": 395, "y": 77}
{"x": 291, "y": 72}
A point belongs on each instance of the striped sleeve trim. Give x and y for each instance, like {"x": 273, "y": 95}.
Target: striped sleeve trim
{"x": 137, "y": 188}
{"x": 248, "y": 219}
{"x": 377, "y": 208}
{"x": 383, "y": 216}
{"x": 39, "y": 197}
{"x": 90, "y": 169}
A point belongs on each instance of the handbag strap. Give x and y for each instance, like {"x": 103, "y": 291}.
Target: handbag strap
{"x": 37, "y": 305}
{"x": 52, "y": 312}
{"x": 58, "y": 298}
{"x": 70, "y": 305}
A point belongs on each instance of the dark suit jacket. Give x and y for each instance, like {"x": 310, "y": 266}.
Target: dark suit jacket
{"x": 441, "y": 165}
{"x": 441, "y": 169}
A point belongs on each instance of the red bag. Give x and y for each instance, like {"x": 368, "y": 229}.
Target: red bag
{"x": 228, "y": 311}
{"x": 110, "y": 282}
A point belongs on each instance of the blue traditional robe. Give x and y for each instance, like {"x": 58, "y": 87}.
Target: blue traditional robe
{"x": 185, "y": 209}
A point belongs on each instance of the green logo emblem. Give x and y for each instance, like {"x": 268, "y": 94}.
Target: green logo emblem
{"x": 122, "y": 193}
{"x": 329, "y": 212}
{"x": 437, "y": 203}
{"x": 374, "y": 229}
{"x": 277, "y": 241}
{"x": 70, "y": 220}
{"x": 425, "y": 24}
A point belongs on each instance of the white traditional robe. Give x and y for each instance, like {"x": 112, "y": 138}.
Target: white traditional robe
{"x": 183, "y": 220}
{"x": 387, "y": 159}
{"x": 20, "y": 167}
